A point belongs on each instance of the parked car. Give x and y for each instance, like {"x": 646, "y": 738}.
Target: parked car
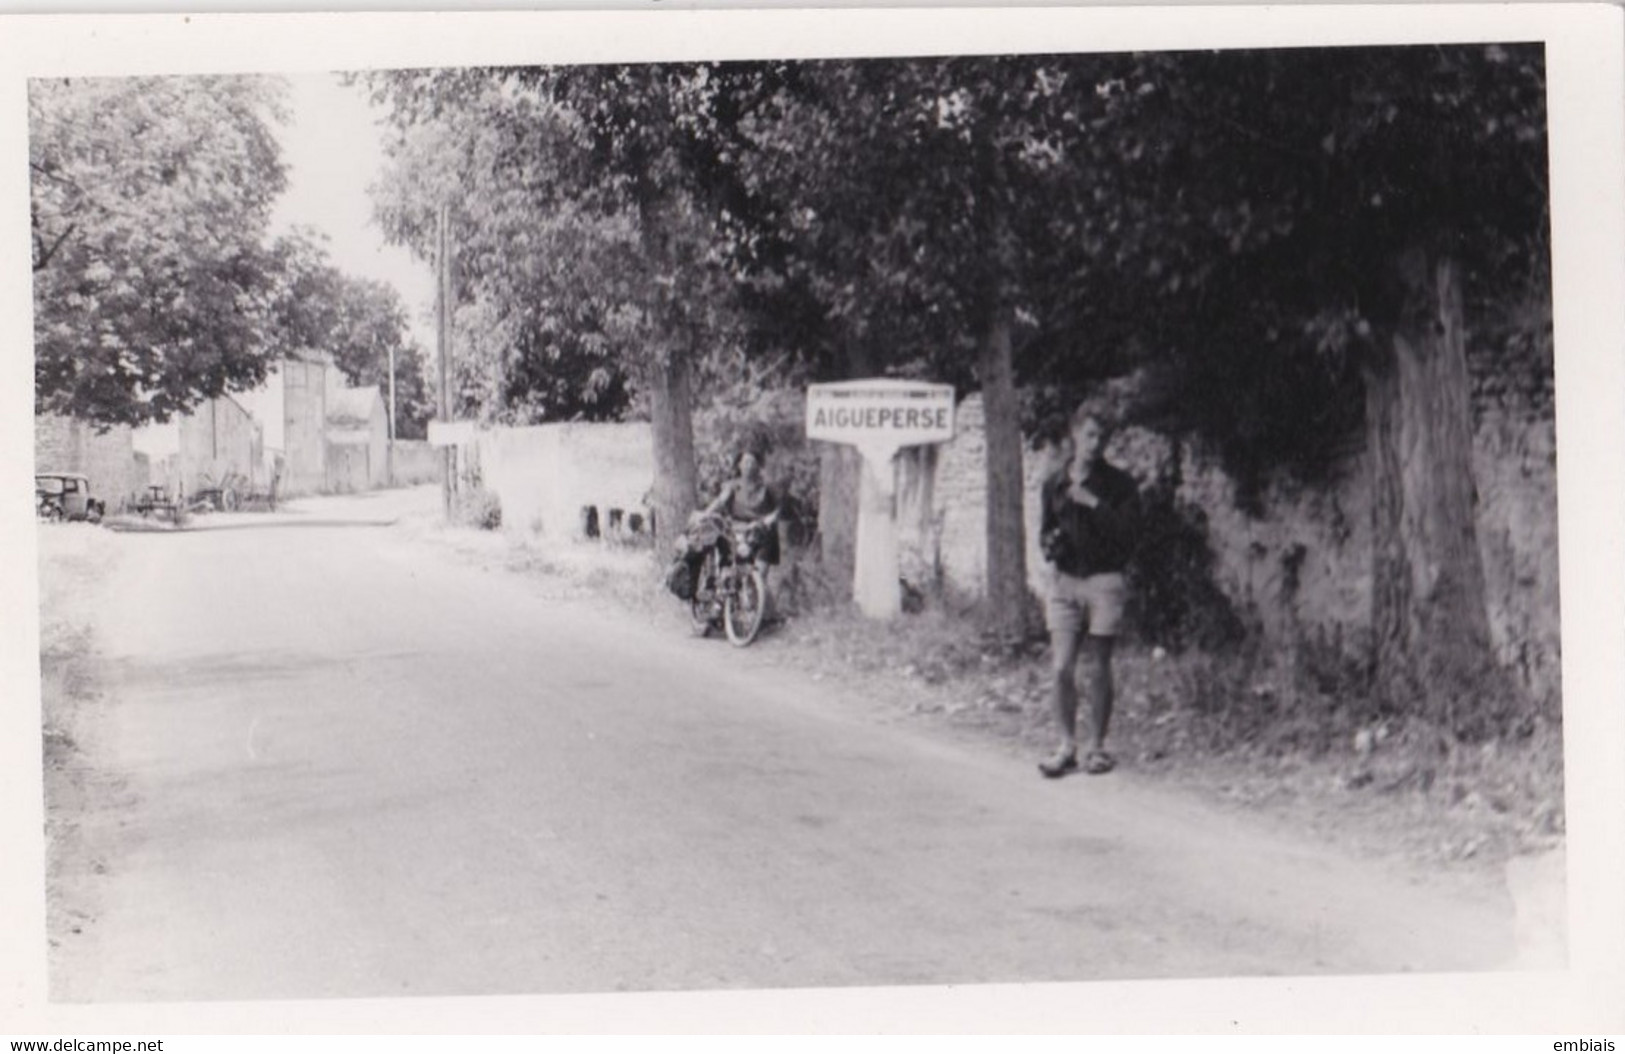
{"x": 66, "y": 496}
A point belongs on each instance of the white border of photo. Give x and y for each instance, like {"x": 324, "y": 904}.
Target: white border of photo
{"x": 1587, "y": 120}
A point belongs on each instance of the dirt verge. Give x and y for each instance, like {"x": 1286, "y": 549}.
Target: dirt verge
{"x": 75, "y": 562}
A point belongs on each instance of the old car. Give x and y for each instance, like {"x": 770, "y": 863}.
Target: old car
{"x": 66, "y": 496}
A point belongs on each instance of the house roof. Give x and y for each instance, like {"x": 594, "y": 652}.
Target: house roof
{"x": 352, "y": 406}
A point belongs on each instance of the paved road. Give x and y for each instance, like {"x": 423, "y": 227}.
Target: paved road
{"x": 337, "y": 764}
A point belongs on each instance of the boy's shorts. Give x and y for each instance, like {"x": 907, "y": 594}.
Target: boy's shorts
{"x": 1093, "y": 605}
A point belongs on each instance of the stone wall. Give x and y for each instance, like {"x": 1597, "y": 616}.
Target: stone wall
{"x": 1515, "y": 462}
{"x": 545, "y": 475}
{"x": 1302, "y": 569}
{"x": 217, "y": 439}
{"x": 415, "y": 462}
{"x": 349, "y": 462}
{"x": 959, "y": 508}
{"x": 1303, "y": 566}
{"x": 107, "y": 459}
{"x": 959, "y": 502}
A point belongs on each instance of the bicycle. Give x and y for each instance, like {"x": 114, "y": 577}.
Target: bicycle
{"x": 730, "y": 590}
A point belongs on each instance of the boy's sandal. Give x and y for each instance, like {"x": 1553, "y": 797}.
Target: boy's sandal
{"x": 1059, "y": 765}
{"x": 1098, "y": 763}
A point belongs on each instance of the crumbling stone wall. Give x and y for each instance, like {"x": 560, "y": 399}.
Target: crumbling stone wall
{"x": 1515, "y": 462}
{"x": 1301, "y": 571}
{"x": 955, "y": 538}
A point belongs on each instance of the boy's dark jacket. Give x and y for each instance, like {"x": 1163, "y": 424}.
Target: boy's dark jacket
{"x": 1082, "y": 541}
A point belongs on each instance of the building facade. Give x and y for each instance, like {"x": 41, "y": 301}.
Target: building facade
{"x": 357, "y": 439}
{"x": 305, "y": 386}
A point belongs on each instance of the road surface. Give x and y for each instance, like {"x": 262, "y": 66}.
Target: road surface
{"x": 332, "y": 762}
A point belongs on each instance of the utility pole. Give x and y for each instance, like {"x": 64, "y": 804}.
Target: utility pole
{"x": 390, "y": 462}
{"x": 443, "y": 346}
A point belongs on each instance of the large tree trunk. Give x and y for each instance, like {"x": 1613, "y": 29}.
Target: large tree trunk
{"x": 669, "y": 375}
{"x": 671, "y": 417}
{"x": 1433, "y": 654}
{"x": 1007, "y": 599}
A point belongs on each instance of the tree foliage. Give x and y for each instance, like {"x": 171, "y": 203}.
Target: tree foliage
{"x": 589, "y": 277}
{"x": 582, "y": 259}
{"x": 909, "y": 216}
{"x": 1331, "y": 231}
{"x": 1277, "y": 189}
{"x": 150, "y": 200}
{"x": 1261, "y": 237}
{"x": 535, "y": 325}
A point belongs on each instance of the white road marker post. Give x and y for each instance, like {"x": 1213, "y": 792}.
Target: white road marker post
{"x": 879, "y": 417}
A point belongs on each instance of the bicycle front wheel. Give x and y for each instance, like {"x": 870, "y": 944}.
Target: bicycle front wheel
{"x": 745, "y": 608}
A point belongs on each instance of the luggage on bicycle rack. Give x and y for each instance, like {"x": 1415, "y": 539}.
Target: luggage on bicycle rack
{"x": 680, "y": 575}
{"x": 683, "y": 572}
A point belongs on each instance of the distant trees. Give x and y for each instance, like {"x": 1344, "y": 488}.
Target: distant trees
{"x": 157, "y": 284}
{"x": 536, "y": 330}
{"x": 360, "y": 322}
{"x": 372, "y": 332}
{"x": 150, "y": 200}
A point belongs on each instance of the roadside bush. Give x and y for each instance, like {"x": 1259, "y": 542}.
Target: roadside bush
{"x": 1174, "y": 600}
{"x": 768, "y": 417}
{"x": 801, "y": 584}
{"x": 1335, "y": 664}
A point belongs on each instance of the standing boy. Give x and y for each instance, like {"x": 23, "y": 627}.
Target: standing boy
{"x": 1087, "y": 532}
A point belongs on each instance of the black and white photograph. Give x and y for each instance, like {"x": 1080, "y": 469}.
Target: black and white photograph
{"x": 805, "y": 511}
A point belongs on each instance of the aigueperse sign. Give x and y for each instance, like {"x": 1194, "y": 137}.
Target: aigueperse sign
{"x": 891, "y": 412}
